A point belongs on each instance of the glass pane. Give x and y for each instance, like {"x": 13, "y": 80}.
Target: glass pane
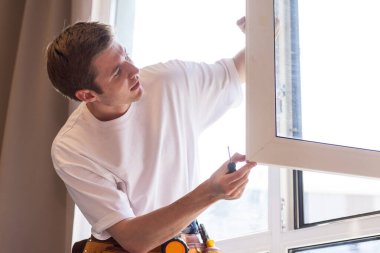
{"x": 369, "y": 245}
{"x": 327, "y": 79}
{"x": 329, "y": 196}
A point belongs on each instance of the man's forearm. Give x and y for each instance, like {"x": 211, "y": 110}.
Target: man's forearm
{"x": 143, "y": 233}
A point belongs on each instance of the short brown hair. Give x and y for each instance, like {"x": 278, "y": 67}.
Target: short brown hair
{"x": 70, "y": 56}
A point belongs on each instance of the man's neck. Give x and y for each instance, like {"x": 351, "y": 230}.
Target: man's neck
{"x": 106, "y": 113}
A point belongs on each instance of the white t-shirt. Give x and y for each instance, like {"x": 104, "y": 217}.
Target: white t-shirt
{"x": 147, "y": 158}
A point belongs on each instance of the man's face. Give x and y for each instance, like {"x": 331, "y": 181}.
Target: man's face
{"x": 117, "y": 77}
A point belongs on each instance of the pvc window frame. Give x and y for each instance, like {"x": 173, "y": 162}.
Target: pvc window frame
{"x": 263, "y": 144}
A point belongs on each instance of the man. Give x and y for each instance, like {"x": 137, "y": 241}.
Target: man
{"x": 128, "y": 153}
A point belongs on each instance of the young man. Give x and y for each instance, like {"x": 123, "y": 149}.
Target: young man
{"x": 128, "y": 153}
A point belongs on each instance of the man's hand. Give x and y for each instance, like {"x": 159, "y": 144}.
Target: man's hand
{"x": 230, "y": 186}
{"x": 241, "y": 24}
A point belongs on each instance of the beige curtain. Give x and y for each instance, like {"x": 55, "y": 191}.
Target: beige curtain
{"x": 35, "y": 212}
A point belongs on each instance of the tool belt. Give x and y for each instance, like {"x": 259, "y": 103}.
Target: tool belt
{"x": 187, "y": 239}
{"x": 93, "y": 245}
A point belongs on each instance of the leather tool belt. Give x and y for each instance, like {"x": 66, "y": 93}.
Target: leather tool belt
{"x": 189, "y": 237}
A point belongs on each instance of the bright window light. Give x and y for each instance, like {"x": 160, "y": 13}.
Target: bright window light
{"x": 200, "y": 30}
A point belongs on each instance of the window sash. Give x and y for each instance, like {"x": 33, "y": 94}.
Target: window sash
{"x": 263, "y": 144}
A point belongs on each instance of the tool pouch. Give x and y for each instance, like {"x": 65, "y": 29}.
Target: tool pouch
{"x": 93, "y": 245}
{"x": 96, "y": 246}
{"x": 190, "y": 238}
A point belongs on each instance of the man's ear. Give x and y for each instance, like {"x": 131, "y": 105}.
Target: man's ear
{"x": 85, "y": 95}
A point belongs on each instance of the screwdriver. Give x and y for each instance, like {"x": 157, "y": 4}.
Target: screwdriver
{"x": 231, "y": 165}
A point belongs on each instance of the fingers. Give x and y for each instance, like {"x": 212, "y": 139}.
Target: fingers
{"x": 242, "y": 172}
{"x": 236, "y": 182}
{"x": 242, "y": 158}
{"x": 237, "y": 189}
{"x": 241, "y": 23}
{"x": 231, "y": 186}
{"x": 237, "y": 158}
{"x": 240, "y": 177}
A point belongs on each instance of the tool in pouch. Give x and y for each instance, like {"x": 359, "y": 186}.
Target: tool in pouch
{"x": 175, "y": 245}
{"x": 210, "y": 244}
{"x": 178, "y": 245}
{"x": 231, "y": 165}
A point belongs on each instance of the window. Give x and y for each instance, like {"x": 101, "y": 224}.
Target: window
{"x": 317, "y": 99}
{"x": 284, "y": 100}
{"x": 315, "y": 103}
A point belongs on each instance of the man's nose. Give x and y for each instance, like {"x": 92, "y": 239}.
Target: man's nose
{"x": 134, "y": 71}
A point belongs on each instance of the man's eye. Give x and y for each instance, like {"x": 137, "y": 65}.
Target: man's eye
{"x": 117, "y": 73}
{"x": 126, "y": 57}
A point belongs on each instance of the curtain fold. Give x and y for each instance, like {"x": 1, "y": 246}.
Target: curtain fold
{"x": 35, "y": 213}
{"x": 9, "y": 14}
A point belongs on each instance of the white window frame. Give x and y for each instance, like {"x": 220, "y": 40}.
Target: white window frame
{"x": 281, "y": 235}
{"x": 263, "y": 144}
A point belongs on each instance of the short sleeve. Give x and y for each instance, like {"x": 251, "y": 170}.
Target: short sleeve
{"x": 218, "y": 88}
{"x": 96, "y": 192}
{"x": 210, "y": 89}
